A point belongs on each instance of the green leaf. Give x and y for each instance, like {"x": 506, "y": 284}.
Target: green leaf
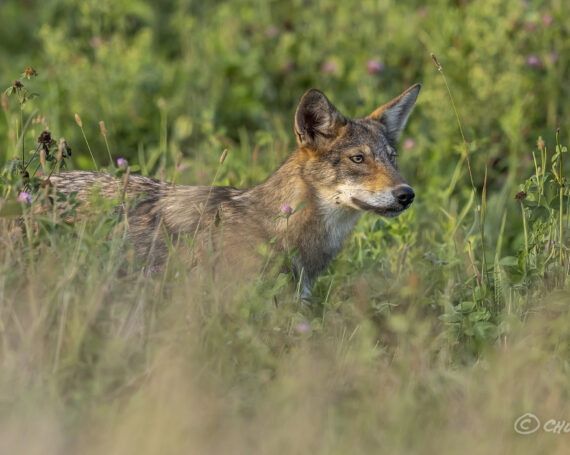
{"x": 509, "y": 261}
{"x": 300, "y": 207}
{"x": 217, "y": 219}
{"x": 485, "y": 330}
{"x": 465, "y": 307}
{"x": 539, "y": 214}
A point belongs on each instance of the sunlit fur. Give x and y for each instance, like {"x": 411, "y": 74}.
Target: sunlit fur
{"x": 340, "y": 168}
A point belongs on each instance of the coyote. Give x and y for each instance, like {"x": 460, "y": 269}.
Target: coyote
{"x": 340, "y": 168}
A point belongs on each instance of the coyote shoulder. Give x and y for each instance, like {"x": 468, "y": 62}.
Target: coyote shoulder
{"x": 340, "y": 168}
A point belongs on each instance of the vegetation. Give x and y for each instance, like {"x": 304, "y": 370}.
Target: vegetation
{"x": 430, "y": 333}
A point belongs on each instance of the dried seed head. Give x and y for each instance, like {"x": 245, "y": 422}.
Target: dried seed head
{"x": 223, "y": 157}
{"x": 29, "y": 72}
{"x": 17, "y": 84}
{"x": 5, "y": 105}
{"x": 60, "y": 150}
{"x": 43, "y": 157}
{"x": 540, "y": 143}
{"x": 436, "y": 61}
{"x": 103, "y": 128}
{"x": 78, "y": 121}
{"x": 65, "y": 148}
{"x": 45, "y": 138}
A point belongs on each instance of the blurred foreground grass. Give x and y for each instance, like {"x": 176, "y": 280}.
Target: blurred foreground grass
{"x": 431, "y": 333}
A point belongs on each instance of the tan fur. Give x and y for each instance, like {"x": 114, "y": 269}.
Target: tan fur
{"x": 232, "y": 224}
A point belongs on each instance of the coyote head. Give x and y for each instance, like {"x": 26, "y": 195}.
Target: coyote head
{"x": 352, "y": 162}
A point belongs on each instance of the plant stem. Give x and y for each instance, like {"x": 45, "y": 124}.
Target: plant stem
{"x": 31, "y": 159}
{"x": 22, "y": 126}
{"x": 224, "y": 154}
{"x": 525, "y": 233}
{"x": 559, "y": 150}
{"x": 482, "y": 227}
{"x": 440, "y": 69}
{"x": 89, "y": 148}
{"x": 109, "y": 152}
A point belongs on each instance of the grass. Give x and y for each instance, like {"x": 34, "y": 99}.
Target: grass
{"x": 430, "y": 333}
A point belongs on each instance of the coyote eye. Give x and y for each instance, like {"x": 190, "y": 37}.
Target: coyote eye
{"x": 357, "y": 159}
{"x": 392, "y": 157}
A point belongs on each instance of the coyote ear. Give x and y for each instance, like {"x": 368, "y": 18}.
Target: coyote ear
{"x": 316, "y": 119}
{"x": 394, "y": 114}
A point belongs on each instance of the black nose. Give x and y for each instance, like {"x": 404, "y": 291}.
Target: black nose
{"x": 404, "y": 194}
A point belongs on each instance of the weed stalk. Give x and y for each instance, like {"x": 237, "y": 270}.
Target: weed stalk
{"x": 483, "y": 196}
{"x": 80, "y": 124}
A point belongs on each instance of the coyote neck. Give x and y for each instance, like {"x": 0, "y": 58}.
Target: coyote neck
{"x": 318, "y": 229}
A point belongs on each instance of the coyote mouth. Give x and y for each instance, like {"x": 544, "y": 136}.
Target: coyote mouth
{"x": 390, "y": 211}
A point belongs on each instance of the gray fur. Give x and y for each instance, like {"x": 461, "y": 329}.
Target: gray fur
{"x": 231, "y": 223}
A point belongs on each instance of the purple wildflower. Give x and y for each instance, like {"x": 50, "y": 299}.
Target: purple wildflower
{"x": 303, "y": 327}
{"x": 374, "y": 67}
{"x": 286, "y": 209}
{"x": 409, "y": 144}
{"x": 121, "y": 162}
{"x": 329, "y": 67}
{"x": 533, "y": 61}
{"x": 24, "y": 198}
{"x": 547, "y": 20}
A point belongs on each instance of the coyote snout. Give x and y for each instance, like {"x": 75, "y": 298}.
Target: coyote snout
{"x": 340, "y": 168}
{"x": 389, "y": 203}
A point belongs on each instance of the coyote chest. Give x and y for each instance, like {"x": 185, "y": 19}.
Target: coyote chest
{"x": 340, "y": 168}
{"x": 337, "y": 224}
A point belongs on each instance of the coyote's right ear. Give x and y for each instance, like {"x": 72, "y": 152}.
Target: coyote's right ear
{"x": 316, "y": 120}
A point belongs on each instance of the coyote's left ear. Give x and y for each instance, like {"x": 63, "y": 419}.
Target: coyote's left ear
{"x": 394, "y": 114}
{"x": 316, "y": 120}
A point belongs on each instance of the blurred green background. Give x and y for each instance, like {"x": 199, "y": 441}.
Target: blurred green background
{"x": 222, "y": 73}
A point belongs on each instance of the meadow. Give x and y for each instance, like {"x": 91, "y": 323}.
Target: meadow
{"x": 430, "y": 333}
